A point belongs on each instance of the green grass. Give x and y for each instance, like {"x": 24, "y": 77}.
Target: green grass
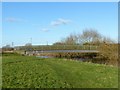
{"x": 31, "y": 72}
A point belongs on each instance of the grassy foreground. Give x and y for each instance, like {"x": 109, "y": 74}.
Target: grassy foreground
{"x": 31, "y": 72}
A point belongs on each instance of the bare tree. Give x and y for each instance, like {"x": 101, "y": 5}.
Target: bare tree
{"x": 71, "y": 40}
{"x": 90, "y": 36}
{"x": 107, "y": 40}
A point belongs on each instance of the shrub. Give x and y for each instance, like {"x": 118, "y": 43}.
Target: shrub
{"x": 110, "y": 53}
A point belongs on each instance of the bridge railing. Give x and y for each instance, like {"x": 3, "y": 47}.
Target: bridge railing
{"x": 60, "y": 47}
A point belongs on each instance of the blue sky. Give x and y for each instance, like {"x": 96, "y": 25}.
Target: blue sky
{"x": 50, "y": 21}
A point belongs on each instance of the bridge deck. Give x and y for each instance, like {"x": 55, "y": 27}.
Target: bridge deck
{"x": 50, "y": 51}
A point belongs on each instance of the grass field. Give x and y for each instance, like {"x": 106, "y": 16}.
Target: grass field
{"x": 31, "y": 72}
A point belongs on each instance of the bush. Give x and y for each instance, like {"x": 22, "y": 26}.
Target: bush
{"x": 75, "y": 55}
{"x": 110, "y": 53}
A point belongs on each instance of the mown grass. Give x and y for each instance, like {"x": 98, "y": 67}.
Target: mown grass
{"x": 31, "y": 72}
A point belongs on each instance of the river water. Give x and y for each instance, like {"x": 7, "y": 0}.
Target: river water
{"x": 44, "y": 56}
{"x": 67, "y": 51}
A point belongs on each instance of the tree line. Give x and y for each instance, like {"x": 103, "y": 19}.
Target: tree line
{"x": 87, "y": 37}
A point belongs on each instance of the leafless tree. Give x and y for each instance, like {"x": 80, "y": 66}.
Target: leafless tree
{"x": 90, "y": 36}
{"x": 71, "y": 39}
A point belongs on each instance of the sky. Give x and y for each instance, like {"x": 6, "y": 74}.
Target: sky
{"x": 49, "y": 22}
{"x": 60, "y": 0}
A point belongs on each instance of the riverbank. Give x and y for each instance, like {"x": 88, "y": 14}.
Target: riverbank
{"x": 31, "y": 72}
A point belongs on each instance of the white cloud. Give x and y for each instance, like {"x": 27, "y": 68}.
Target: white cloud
{"x": 45, "y": 29}
{"x": 55, "y": 23}
{"x": 64, "y": 21}
{"x": 12, "y": 19}
{"x": 60, "y": 21}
